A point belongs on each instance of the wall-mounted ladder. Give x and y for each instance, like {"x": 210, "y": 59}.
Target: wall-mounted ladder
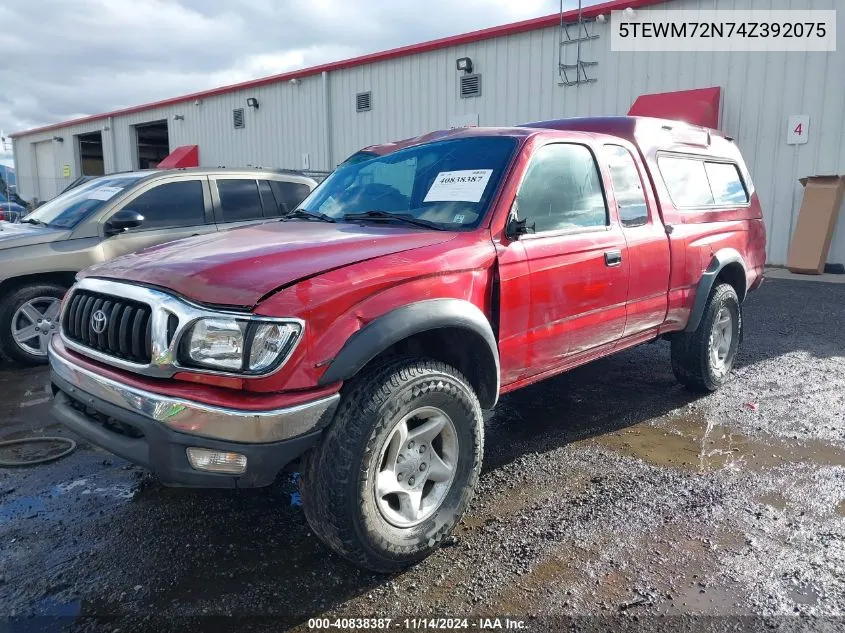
{"x": 572, "y": 35}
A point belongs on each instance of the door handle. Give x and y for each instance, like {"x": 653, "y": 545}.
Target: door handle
{"x": 612, "y": 258}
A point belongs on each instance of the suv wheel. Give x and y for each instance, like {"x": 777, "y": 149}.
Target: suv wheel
{"x": 397, "y": 467}
{"x": 702, "y": 360}
{"x": 28, "y": 317}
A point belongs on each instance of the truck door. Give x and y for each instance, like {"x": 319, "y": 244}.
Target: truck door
{"x": 648, "y": 244}
{"x": 576, "y": 256}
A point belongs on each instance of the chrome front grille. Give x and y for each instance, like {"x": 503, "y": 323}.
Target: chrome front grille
{"x": 138, "y": 328}
{"x": 109, "y": 324}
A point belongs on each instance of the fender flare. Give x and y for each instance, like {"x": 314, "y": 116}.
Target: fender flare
{"x": 720, "y": 259}
{"x": 401, "y": 323}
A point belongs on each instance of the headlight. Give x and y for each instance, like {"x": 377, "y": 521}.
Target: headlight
{"x": 269, "y": 341}
{"x": 238, "y": 345}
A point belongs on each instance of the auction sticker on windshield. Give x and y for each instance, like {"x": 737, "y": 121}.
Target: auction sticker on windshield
{"x": 465, "y": 185}
{"x": 104, "y": 193}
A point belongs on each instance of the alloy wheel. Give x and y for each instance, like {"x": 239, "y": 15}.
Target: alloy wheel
{"x": 417, "y": 466}
{"x": 34, "y": 322}
{"x": 721, "y": 338}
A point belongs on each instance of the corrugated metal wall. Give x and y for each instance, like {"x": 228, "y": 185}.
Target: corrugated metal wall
{"x": 520, "y": 82}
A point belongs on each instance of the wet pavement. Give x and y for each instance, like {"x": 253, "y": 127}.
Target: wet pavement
{"x": 610, "y": 490}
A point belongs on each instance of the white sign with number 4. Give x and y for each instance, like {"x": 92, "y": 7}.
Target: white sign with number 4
{"x": 798, "y": 129}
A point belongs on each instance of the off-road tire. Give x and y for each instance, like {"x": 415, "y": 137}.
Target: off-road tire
{"x": 337, "y": 476}
{"x": 9, "y": 304}
{"x": 691, "y": 359}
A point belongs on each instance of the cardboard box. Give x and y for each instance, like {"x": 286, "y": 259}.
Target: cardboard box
{"x": 816, "y": 223}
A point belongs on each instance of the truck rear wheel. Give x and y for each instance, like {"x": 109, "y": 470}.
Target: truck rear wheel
{"x": 703, "y": 359}
{"x": 397, "y": 467}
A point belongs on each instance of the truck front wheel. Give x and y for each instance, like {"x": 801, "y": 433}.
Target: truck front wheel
{"x": 703, "y": 359}
{"x": 397, "y": 467}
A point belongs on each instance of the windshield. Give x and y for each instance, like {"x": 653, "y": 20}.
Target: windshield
{"x": 447, "y": 183}
{"x": 358, "y": 157}
{"x": 68, "y": 209}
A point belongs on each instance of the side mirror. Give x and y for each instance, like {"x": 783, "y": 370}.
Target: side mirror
{"x": 516, "y": 227}
{"x": 123, "y": 220}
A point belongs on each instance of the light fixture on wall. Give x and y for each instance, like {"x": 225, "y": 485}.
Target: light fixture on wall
{"x": 178, "y": 117}
{"x": 294, "y": 82}
{"x": 464, "y": 64}
{"x": 59, "y": 139}
{"x": 252, "y": 102}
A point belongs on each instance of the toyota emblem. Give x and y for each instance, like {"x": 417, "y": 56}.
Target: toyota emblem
{"x": 99, "y": 321}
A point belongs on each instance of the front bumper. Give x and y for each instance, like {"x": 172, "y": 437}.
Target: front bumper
{"x": 154, "y": 430}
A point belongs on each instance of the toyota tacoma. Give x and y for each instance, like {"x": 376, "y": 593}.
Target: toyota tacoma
{"x": 359, "y": 338}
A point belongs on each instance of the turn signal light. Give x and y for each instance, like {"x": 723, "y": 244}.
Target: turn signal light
{"x": 217, "y": 461}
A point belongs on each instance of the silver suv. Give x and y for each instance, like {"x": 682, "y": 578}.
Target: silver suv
{"x": 114, "y": 215}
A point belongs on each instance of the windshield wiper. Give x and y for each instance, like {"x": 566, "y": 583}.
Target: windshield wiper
{"x": 34, "y": 221}
{"x": 307, "y": 215}
{"x": 399, "y": 217}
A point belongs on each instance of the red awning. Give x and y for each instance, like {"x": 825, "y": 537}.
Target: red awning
{"x": 698, "y": 107}
{"x": 185, "y": 156}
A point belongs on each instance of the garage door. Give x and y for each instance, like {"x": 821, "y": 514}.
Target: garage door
{"x": 46, "y": 169}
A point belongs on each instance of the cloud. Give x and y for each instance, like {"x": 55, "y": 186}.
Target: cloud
{"x": 99, "y": 55}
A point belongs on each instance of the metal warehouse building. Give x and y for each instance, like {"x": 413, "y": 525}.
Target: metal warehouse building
{"x": 550, "y": 67}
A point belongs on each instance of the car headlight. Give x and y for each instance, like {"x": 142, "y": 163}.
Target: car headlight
{"x": 238, "y": 345}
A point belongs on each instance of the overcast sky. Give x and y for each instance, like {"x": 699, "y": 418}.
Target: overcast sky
{"x": 61, "y": 59}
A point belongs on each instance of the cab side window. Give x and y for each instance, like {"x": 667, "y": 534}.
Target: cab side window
{"x": 172, "y": 204}
{"x": 627, "y": 186}
{"x": 562, "y": 190}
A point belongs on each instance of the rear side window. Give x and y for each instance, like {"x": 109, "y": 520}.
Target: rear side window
{"x": 686, "y": 181}
{"x": 289, "y": 194}
{"x": 239, "y": 200}
{"x": 627, "y": 186}
{"x": 562, "y": 190}
{"x": 695, "y": 182}
{"x": 172, "y": 204}
{"x": 726, "y": 183}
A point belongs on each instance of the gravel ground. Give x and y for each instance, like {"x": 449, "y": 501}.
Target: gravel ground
{"x": 609, "y": 492}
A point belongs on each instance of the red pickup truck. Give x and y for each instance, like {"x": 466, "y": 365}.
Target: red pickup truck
{"x": 360, "y": 337}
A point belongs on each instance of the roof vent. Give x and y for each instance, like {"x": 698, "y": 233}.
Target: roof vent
{"x": 363, "y": 102}
{"x": 470, "y": 85}
{"x": 238, "y": 117}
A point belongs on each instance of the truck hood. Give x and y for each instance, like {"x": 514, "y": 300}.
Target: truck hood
{"x": 12, "y": 235}
{"x": 240, "y": 266}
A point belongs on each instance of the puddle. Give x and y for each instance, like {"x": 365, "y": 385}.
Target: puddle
{"x": 694, "y": 599}
{"x": 507, "y": 502}
{"x": 804, "y": 596}
{"x": 47, "y": 430}
{"x": 21, "y": 386}
{"x": 52, "y": 607}
{"x": 47, "y": 504}
{"x": 773, "y": 499}
{"x": 693, "y": 443}
{"x": 22, "y": 506}
{"x": 552, "y": 576}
